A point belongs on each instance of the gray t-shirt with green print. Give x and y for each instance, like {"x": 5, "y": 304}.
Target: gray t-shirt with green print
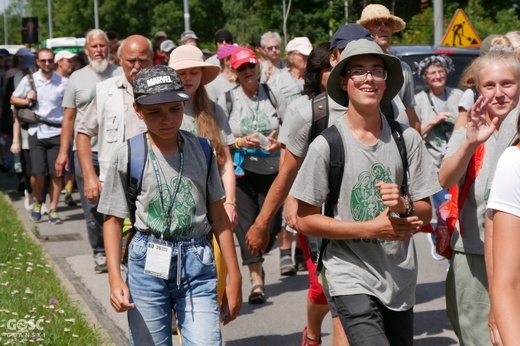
{"x": 255, "y": 114}
{"x": 189, "y": 209}
{"x": 384, "y": 269}
{"x": 437, "y": 138}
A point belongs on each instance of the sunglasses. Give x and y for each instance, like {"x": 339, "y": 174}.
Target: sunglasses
{"x": 244, "y": 66}
{"x": 222, "y": 41}
{"x": 270, "y": 48}
{"x": 46, "y": 61}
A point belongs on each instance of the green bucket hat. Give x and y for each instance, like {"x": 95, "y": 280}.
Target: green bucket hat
{"x": 394, "y": 80}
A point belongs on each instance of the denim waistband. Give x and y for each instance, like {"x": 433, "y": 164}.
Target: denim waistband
{"x": 176, "y": 241}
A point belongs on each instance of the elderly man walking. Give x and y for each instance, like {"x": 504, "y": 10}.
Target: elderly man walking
{"x": 78, "y": 95}
{"x": 111, "y": 116}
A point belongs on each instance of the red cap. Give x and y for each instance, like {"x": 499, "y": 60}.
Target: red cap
{"x": 243, "y": 56}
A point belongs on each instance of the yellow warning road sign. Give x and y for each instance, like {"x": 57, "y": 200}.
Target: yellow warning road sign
{"x": 460, "y": 32}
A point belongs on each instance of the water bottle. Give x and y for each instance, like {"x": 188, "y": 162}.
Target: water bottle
{"x": 443, "y": 233}
{"x": 17, "y": 163}
{"x": 264, "y": 141}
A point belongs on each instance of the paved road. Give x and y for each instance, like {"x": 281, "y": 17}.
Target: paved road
{"x": 278, "y": 322}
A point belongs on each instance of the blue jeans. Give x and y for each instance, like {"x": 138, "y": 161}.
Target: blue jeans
{"x": 194, "y": 300}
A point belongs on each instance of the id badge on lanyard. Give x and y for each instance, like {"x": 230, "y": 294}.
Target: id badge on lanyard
{"x": 158, "y": 259}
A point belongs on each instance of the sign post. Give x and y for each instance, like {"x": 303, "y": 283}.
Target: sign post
{"x": 461, "y": 33}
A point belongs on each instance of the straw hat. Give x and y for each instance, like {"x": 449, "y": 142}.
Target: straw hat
{"x": 187, "y": 56}
{"x": 375, "y": 11}
{"x": 394, "y": 79}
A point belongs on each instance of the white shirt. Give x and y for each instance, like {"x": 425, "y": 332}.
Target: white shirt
{"x": 49, "y": 94}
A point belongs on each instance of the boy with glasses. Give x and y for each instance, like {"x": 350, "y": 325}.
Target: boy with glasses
{"x": 369, "y": 263}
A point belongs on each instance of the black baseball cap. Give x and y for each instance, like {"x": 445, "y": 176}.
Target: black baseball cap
{"x": 348, "y": 33}
{"x": 158, "y": 84}
{"x": 223, "y": 34}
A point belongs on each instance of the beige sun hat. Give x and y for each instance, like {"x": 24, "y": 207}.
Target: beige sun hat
{"x": 394, "y": 80}
{"x": 375, "y": 11}
{"x": 187, "y": 56}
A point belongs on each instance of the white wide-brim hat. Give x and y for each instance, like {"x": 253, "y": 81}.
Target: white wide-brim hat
{"x": 188, "y": 56}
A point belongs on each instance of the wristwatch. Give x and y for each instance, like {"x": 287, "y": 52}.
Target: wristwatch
{"x": 408, "y": 203}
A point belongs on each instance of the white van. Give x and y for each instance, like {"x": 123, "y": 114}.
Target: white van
{"x": 13, "y": 48}
{"x": 72, "y": 44}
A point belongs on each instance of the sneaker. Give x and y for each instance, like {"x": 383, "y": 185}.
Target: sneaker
{"x": 45, "y": 209}
{"x": 28, "y": 200}
{"x": 54, "y": 218}
{"x": 68, "y": 199}
{"x": 286, "y": 266}
{"x": 101, "y": 263}
{"x": 36, "y": 212}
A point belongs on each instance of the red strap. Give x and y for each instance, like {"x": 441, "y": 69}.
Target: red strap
{"x": 474, "y": 166}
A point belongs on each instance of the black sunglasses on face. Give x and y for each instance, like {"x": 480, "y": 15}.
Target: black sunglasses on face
{"x": 244, "y": 66}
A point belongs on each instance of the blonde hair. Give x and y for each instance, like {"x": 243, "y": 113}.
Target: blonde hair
{"x": 496, "y": 57}
{"x": 467, "y": 79}
{"x": 501, "y": 40}
{"x": 514, "y": 39}
{"x": 207, "y": 124}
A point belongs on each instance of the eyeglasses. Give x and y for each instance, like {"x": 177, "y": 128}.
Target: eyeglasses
{"x": 244, "y": 66}
{"x": 270, "y": 48}
{"x": 46, "y": 61}
{"x": 359, "y": 75}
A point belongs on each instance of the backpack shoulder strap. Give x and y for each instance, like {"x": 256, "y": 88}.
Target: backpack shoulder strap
{"x": 320, "y": 115}
{"x": 206, "y": 148}
{"x": 137, "y": 155}
{"x": 229, "y": 102}
{"x": 397, "y": 134}
{"x": 336, "y": 168}
{"x": 269, "y": 94}
{"x": 272, "y": 99}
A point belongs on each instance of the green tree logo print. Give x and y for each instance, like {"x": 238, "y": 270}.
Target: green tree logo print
{"x": 183, "y": 210}
{"x": 255, "y": 121}
{"x": 365, "y": 200}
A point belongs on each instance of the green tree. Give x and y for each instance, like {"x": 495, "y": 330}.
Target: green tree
{"x": 14, "y": 13}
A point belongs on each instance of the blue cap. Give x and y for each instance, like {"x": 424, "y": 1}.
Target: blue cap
{"x": 348, "y": 33}
{"x": 24, "y": 51}
{"x": 4, "y": 52}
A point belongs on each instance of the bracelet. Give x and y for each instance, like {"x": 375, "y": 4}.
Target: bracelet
{"x": 236, "y": 143}
{"x": 229, "y": 203}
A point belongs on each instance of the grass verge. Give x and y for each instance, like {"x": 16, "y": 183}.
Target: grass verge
{"x": 35, "y": 308}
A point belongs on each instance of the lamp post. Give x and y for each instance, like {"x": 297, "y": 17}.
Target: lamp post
{"x": 96, "y": 17}
{"x": 6, "y": 42}
{"x": 49, "y": 11}
{"x": 186, "y": 15}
